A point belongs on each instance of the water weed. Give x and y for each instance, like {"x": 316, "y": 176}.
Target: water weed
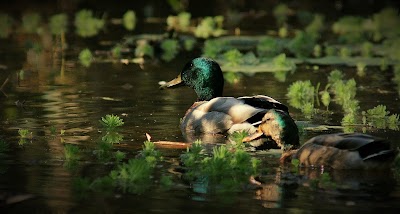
{"x": 170, "y": 48}
{"x": 86, "y": 24}
{"x": 86, "y": 57}
{"x": 111, "y": 121}
{"x": 23, "y": 133}
{"x": 129, "y": 20}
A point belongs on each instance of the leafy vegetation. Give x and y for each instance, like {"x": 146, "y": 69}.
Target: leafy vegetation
{"x": 111, "y": 121}
{"x": 170, "y": 48}
{"x": 302, "y": 44}
{"x": 129, "y": 20}
{"x": 86, "y": 57}
{"x": 225, "y": 170}
{"x": 58, "y": 24}
{"x": 31, "y": 22}
{"x": 301, "y": 96}
{"x": 269, "y": 47}
{"x": 23, "y": 133}
{"x": 86, "y": 24}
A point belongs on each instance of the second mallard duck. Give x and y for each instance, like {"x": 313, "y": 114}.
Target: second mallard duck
{"x": 213, "y": 113}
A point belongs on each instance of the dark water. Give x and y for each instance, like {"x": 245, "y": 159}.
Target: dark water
{"x": 74, "y": 99}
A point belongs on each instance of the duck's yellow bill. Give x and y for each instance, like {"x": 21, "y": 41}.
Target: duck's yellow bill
{"x": 254, "y": 136}
{"x": 174, "y": 82}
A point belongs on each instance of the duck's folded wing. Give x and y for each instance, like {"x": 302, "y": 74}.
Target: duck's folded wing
{"x": 264, "y": 102}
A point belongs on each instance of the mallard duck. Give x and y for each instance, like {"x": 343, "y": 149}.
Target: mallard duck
{"x": 213, "y": 113}
{"x": 344, "y": 151}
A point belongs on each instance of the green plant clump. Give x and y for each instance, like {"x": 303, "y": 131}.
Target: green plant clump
{"x": 23, "y": 133}
{"x": 143, "y": 48}
{"x": 301, "y": 96}
{"x": 170, "y": 49}
{"x": 281, "y": 13}
{"x": 71, "y": 152}
{"x": 302, "y": 44}
{"x": 111, "y": 121}
{"x": 31, "y": 22}
{"x": 224, "y": 171}
{"x": 129, "y": 20}
{"x": 85, "y": 57}
{"x": 86, "y": 24}
{"x": 212, "y": 48}
{"x": 233, "y": 57}
{"x": 349, "y": 29}
{"x": 58, "y": 24}
{"x": 112, "y": 137}
{"x": 210, "y": 26}
{"x": 269, "y": 47}
{"x": 381, "y": 118}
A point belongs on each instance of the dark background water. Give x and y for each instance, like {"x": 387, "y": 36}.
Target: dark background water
{"x": 73, "y": 98}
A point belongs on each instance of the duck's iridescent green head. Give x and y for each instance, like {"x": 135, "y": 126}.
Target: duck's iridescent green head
{"x": 278, "y": 125}
{"x": 203, "y": 75}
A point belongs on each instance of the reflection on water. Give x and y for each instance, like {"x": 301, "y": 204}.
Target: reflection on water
{"x": 64, "y": 105}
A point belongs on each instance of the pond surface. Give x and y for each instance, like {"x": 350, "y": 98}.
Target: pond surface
{"x": 41, "y": 98}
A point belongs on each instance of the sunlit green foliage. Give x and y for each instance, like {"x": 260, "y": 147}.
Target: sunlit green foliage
{"x": 31, "y": 22}
{"x": 281, "y": 64}
{"x": 233, "y": 57}
{"x": 111, "y": 121}
{"x": 129, "y": 20}
{"x": 335, "y": 76}
{"x": 361, "y": 69}
{"x": 170, "y": 48}
{"x": 225, "y": 170}
{"x": 176, "y": 5}
{"x": 330, "y": 51}
{"x": 317, "y": 51}
{"x": 349, "y": 29}
{"x": 379, "y": 117}
{"x": 58, "y": 24}
{"x": 316, "y": 26}
{"x": 212, "y": 48}
{"x": 345, "y": 52}
{"x": 6, "y": 23}
{"x": 23, "y": 133}
{"x": 392, "y": 48}
{"x": 237, "y": 138}
{"x": 85, "y": 57}
{"x": 384, "y": 24}
{"x": 232, "y": 77}
{"x": 86, "y": 24}
{"x": 250, "y": 58}
{"x": 180, "y": 22}
{"x": 281, "y": 13}
{"x": 143, "y": 48}
{"x": 302, "y": 44}
{"x": 366, "y": 49}
{"x": 210, "y": 26}
{"x": 166, "y": 181}
{"x": 103, "y": 151}
{"x": 301, "y": 96}
{"x": 269, "y": 47}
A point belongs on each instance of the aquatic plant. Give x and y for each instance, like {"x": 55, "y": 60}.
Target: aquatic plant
{"x": 302, "y": 44}
{"x": 119, "y": 156}
{"x": 6, "y": 22}
{"x": 316, "y": 26}
{"x": 396, "y": 77}
{"x": 189, "y": 43}
{"x": 71, "y": 152}
{"x": 149, "y": 153}
{"x": 103, "y": 151}
{"x": 133, "y": 177}
{"x": 233, "y": 57}
{"x": 232, "y": 77}
{"x": 301, "y": 96}
{"x": 384, "y": 24}
{"x": 170, "y": 48}
{"x": 143, "y": 48}
{"x": 176, "y": 5}
{"x": 225, "y": 170}
{"x": 283, "y": 32}
{"x": 344, "y": 52}
{"x": 330, "y": 51}
{"x": 180, "y": 22}
{"x": 111, "y": 121}
{"x": 86, "y": 57}
{"x": 324, "y": 181}
{"x": 129, "y": 20}
{"x": 381, "y": 118}
{"x": 349, "y": 29}
{"x": 366, "y": 49}
{"x": 317, "y": 50}
{"x": 53, "y": 130}
{"x": 166, "y": 181}
{"x": 116, "y": 51}
{"x": 237, "y": 138}
{"x": 281, "y": 13}
{"x": 210, "y": 26}
{"x": 335, "y": 76}
{"x": 213, "y": 47}
{"x": 31, "y": 22}
{"x": 23, "y": 133}
{"x": 325, "y": 98}
{"x": 269, "y": 47}
{"x": 361, "y": 69}
{"x": 392, "y": 48}
{"x": 58, "y": 24}
{"x": 86, "y": 24}
{"x": 112, "y": 137}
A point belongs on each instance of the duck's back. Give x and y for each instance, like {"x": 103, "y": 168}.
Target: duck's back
{"x": 219, "y": 114}
{"x": 347, "y": 151}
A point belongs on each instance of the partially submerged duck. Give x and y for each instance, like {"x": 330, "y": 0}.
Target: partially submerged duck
{"x": 344, "y": 151}
{"x": 212, "y": 113}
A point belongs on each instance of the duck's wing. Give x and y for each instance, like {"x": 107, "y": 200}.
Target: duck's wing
{"x": 368, "y": 146}
{"x": 218, "y": 115}
{"x": 264, "y": 102}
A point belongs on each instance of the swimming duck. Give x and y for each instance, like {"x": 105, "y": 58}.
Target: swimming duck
{"x": 213, "y": 113}
{"x": 344, "y": 151}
